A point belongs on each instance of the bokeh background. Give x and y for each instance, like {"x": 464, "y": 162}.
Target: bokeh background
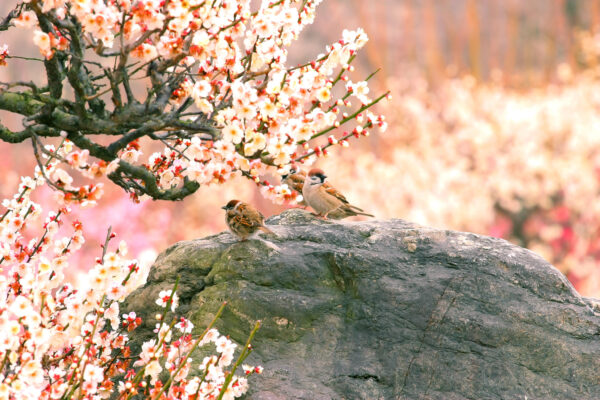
{"x": 494, "y": 128}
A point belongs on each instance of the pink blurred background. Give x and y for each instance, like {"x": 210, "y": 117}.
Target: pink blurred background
{"x": 493, "y": 128}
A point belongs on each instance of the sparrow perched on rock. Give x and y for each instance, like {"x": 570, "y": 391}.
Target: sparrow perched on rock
{"x": 243, "y": 219}
{"x": 325, "y": 199}
{"x": 295, "y": 181}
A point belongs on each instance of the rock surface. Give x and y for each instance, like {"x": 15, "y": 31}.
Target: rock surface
{"x": 388, "y": 310}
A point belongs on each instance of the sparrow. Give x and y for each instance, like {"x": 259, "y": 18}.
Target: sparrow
{"x": 325, "y": 199}
{"x": 295, "y": 180}
{"x": 243, "y": 219}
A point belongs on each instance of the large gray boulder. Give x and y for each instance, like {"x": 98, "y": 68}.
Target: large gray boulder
{"x": 387, "y": 310}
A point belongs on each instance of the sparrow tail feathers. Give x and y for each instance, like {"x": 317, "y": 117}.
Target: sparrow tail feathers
{"x": 266, "y": 230}
{"x": 270, "y": 244}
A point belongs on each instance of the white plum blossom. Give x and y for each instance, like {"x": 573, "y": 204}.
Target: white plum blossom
{"x": 21, "y": 306}
{"x": 166, "y": 296}
{"x": 185, "y": 326}
{"x": 153, "y": 369}
{"x": 93, "y": 374}
{"x": 359, "y": 90}
{"x": 233, "y": 133}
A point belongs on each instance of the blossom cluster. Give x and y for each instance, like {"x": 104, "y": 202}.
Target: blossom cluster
{"x": 58, "y": 341}
{"x": 3, "y": 54}
{"x": 51, "y": 169}
{"x": 232, "y": 63}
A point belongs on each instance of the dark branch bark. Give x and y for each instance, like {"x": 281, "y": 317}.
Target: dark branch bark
{"x": 95, "y": 149}
{"x": 149, "y": 184}
{"x": 126, "y": 174}
{"x": 53, "y": 67}
{"x": 13, "y": 137}
{"x": 7, "y": 22}
{"x": 28, "y": 106}
{"x": 148, "y": 128}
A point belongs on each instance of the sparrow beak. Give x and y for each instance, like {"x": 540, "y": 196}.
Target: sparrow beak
{"x": 224, "y": 207}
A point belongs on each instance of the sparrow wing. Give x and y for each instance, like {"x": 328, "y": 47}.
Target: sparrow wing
{"x": 296, "y": 182}
{"x": 234, "y": 217}
{"x": 249, "y": 216}
{"x": 328, "y": 200}
{"x": 335, "y": 193}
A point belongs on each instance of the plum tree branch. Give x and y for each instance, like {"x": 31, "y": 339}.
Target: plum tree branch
{"x": 90, "y": 96}
{"x": 7, "y": 21}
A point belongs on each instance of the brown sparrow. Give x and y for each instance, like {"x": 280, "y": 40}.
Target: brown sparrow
{"x": 325, "y": 199}
{"x": 295, "y": 180}
{"x": 243, "y": 219}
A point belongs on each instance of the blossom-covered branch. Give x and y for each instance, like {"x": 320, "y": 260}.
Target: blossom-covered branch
{"x": 65, "y": 341}
{"x": 208, "y": 79}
